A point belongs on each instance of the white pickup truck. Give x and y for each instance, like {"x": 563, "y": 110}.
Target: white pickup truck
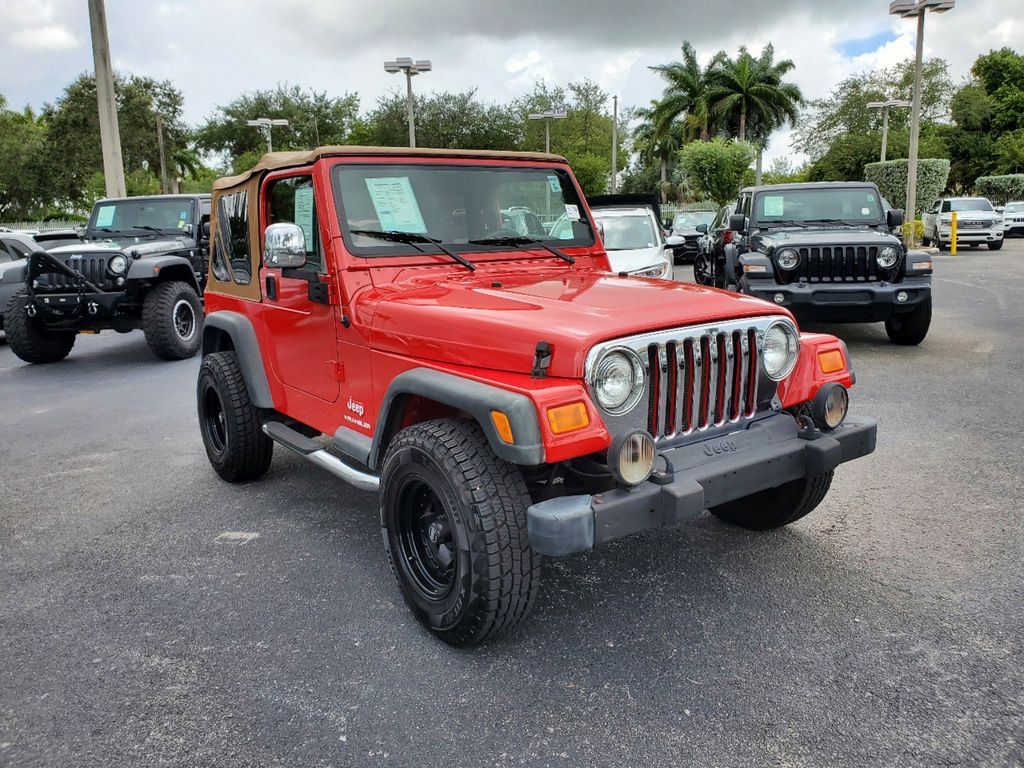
{"x": 977, "y": 223}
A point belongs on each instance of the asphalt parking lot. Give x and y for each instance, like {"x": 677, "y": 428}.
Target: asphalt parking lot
{"x": 152, "y": 615}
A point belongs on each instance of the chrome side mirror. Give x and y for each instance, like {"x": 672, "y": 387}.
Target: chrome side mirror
{"x": 284, "y": 246}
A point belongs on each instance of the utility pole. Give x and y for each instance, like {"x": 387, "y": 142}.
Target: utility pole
{"x": 410, "y": 68}
{"x": 615, "y": 142}
{"x": 547, "y": 117}
{"x": 266, "y": 125}
{"x": 164, "y": 185}
{"x": 110, "y": 136}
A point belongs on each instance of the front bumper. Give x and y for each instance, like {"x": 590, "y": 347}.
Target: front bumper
{"x": 770, "y": 452}
{"x": 57, "y": 307}
{"x": 851, "y": 302}
{"x": 972, "y": 235}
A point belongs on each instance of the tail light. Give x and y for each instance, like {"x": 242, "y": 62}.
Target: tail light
{"x": 727, "y": 236}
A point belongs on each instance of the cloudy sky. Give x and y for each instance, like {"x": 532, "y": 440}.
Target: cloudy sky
{"x": 214, "y": 49}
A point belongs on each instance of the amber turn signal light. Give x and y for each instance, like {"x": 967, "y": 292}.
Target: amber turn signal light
{"x": 568, "y": 418}
{"x": 831, "y": 361}
{"x": 501, "y": 424}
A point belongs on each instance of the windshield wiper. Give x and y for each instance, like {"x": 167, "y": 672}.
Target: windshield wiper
{"x": 847, "y": 222}
{"x": 785, "y": 223}
{"x": 146, "y": 226}
{"x": 411, "y": 238}
{"x": 523, "y": 240}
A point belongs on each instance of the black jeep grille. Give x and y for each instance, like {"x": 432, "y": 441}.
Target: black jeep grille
{"x": 830, "y": 264}
{"x": 93, "y": 269}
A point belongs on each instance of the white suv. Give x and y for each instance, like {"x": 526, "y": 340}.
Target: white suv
{"x": 977, "y": 223}
{"x": 1013, "y": 218}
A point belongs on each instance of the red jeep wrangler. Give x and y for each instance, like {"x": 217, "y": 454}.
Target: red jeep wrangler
{"x": 505, "y": 393}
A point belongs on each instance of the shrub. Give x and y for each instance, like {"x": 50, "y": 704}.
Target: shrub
{"x": 891, "y": 178}
{"x": 1000, "y": 189}
{"x": 716, "y": 168}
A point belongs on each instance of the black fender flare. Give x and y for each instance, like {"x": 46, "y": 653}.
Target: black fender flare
{"x": 473, "y": 397}
{"x": 152, "y": 269}
{"x": 238, "y": 328}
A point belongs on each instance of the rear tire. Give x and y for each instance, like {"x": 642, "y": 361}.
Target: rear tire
{"x": 231, "y": 426}
{"x": 172, "y": 319}
{"x": 776, "y": 507}
{"x": 702, "y": 270}
{"x": 995, "y": 246}
{"x": 29, "y": 340}
{"x": 454, "y": 525}
{"x": 910, "y": 329}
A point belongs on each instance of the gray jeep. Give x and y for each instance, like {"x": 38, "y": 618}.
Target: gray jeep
{"x": 140, "y": 264}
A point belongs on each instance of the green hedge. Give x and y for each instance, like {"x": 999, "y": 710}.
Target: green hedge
{"x": 1000, "y": 189}
{"x": 891, "y": 178}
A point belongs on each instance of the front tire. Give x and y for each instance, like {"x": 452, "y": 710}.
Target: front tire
{"x": 454, "y": 525}
{"x": 703, "y": 274}
{"x": 172, "y": 319}
{"x": 231, "y": 426}
{"x": 910, "y": 329}
{"x": 776, "y": 507}
{"x": 29, "y": 339}
{"x": 995, "y": 246}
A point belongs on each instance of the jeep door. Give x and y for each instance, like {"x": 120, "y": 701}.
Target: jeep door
{"x": 298, "y": 312}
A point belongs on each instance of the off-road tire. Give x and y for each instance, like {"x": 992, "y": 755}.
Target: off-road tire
{"x": 776, "y": 507}
{"x": 230, "y": 424}
{"x": 703, "y": 269}
{"x": 910, "y": 328}
{"x": 995, "y": 246}
{"x": 162, "y": 325}
{"x": 925, "y": 240}
{"x": 483, "y": 502}
{"x": 29, "y": 340}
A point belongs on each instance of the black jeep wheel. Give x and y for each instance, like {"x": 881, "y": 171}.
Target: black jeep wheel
{"x": 230, "y": 424}
{"x": 995, "y": 246}
{"x": 910, "y": 328}
{"x": 29, "y": 340}
{"x": 703, "y": 273}
{"x": 776, "y": 507}
{"x": 172, "y": 319}
{"x": 454, "y": 524}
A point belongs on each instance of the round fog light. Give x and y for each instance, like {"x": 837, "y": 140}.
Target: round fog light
{"x": 631, "y": 457}
{"x": 830, "y": 405}
{"x": 901, "y": 296}
{"x": 779, "y": 298}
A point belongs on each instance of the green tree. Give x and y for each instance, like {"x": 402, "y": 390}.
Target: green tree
{"x": 748, "y": 89}
{"x": 25, "y": 175}
{"x": 1009, "y": 153}
{"x": 657, "y": 143}
{"x": 686, "y": 95}
{"x": 314, "y": 119}
{"x": 716, "y": 168}
{"x": 1001, "y": 73}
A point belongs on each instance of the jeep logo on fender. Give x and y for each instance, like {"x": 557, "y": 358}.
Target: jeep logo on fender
{"x": 356, "y": 408}
{"x": 717, "y": 449}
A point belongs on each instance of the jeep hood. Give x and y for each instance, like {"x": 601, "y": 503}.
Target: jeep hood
{"x": 830, "y": 236}
{"x": 495, "y": 320}
{"x": 132, "y": 246}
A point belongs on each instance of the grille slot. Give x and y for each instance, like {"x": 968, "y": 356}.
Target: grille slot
{"x": 92, "y": 268}
{"x": 701, "y": 382}
{"x": 832, "y": 264}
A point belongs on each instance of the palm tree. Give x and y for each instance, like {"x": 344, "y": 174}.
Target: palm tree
{"x": 748, "y": 89}
{"x": 656, "y": 141}
{"x": 686, "y": 94}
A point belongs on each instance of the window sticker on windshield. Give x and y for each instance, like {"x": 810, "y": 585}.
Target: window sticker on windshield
{"x": 396, "y": 205}
{"x": 554, "y": 184}
{"x": 871, "y": 198}
{"x": 865, "y": 211}
{"x": 774, "y": 205}
{"x": 105, "y": 215}
{"x": 304, "y": 214}
{"x": 573, "y": 212}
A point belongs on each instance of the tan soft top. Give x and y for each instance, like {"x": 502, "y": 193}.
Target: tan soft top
{"x": 272, "y": 161}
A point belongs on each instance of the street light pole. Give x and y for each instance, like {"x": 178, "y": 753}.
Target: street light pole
{"x": 615, "y": 141}
{"x": 884, "y": 106}
{"x": 266, "y": 125}
{"x": 908, "y": 9}
{"x": 110, "y": 136}
{"x": 547, "y": 117}
{"x": 410, "y": 68}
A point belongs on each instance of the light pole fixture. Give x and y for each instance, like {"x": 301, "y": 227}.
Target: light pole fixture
{"x": 410, "y": 68}
{"x": 547, "y": 117}
{"x": 266, "y": 124}
{"x": 909, "y": 9}
{"x": 885, "y": 106}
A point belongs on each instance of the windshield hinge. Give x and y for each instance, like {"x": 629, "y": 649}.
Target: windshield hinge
{"x": 541, "y": 360}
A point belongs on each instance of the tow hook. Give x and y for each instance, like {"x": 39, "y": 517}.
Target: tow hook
{"x": 30, "y": 310}
{"x": 807, "y": 430}
{"x": 93, "y": 307}
{"x": 666, "y": 475}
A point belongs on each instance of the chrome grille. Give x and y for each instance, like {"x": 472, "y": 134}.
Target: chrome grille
{"x": 829, "y": 264}
{"x": 703, "y": 381}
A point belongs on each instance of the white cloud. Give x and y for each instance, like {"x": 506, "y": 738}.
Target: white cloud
{"x": 53, "y": 37}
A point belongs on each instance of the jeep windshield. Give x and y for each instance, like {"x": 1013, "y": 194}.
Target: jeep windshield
{"x": 456, "y": 208}
{"x": 857, "y": 206}
{"x": 141, "y": 216}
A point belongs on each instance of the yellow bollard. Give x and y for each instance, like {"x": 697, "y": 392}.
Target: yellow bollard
{"x": 952, "y": 239}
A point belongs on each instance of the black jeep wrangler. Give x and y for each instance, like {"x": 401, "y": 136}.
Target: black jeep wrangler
{"x": 140, "y": 264}
{"x": 826, "y": 252}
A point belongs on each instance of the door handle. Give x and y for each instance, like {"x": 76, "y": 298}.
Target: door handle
{"x": 271, "y": 287}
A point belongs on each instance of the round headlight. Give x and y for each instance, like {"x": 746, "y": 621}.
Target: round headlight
{"x": 117, "y": 265}
{"x": 617, "y": 381}
{"x": 830, "y": 405}
{"x": 781, "y": 349}
{"x": 631, "y": 457}
{"x": 887, "y": 257}
{"x": 787, "y": 258}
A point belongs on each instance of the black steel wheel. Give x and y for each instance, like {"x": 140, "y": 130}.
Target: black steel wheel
{"x": 703, "y": 269}
{"x": 426, "y": 538}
